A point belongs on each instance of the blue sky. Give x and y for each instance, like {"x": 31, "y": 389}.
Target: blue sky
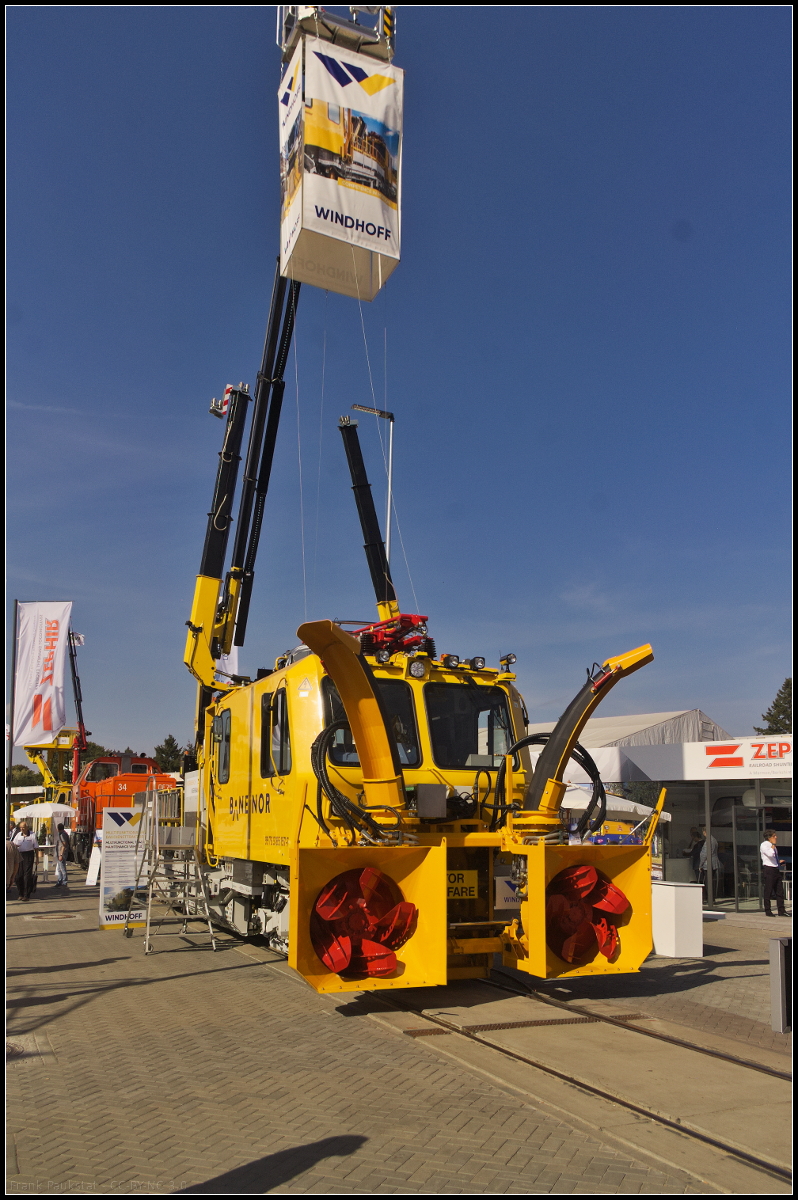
{"x": 586, "y": 345}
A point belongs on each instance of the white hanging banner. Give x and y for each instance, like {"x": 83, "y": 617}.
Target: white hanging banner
{"x": 39, "y": 709}
{"x": 340, "y": 169}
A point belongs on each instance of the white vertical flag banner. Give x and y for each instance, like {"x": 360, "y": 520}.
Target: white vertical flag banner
{"x": 39, "y": 709}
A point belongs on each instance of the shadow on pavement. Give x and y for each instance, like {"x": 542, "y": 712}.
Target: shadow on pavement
{"x": 265, "y": 1174}
{"x": 72, "y": 966}
{"x": 85, "y": 993}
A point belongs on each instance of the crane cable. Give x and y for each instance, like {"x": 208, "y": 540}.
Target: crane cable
{"x": 377, "y": 419}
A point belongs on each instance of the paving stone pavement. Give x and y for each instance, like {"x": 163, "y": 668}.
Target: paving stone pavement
{"x": 726, "y": 993}
{"x": 189, "y": 1072}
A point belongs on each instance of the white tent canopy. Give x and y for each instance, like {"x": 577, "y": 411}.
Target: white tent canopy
{"x": 44, "y": 812}
{"x": 645, "y": 729}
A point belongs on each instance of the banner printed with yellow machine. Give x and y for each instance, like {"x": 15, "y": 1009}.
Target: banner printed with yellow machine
{"x": 340, "y": 169}
{"x": 121, "y": 858}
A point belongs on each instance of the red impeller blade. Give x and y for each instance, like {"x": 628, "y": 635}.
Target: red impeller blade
{"x": 608, "y": 897}
{"x": 371, "y": 958}
{"x": 581, "y": 944}
{"x": 396, "y": 926}
{"x": 607, "y": 937}
{"x": 334, "y": 950}
{"x": 579, "y": 881}
{"x": 336, "y": 900}
{"x": 370, "y": 880}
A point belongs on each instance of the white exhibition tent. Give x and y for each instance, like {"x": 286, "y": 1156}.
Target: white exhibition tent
{"x": 44, "y": 812}
{"x": 645, "y": 729}
{"x": 576, "y": 799}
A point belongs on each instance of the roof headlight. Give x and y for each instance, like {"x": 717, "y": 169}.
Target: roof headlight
{"x": 383, "y": 656}
{"x": 417, "y": 668}
{"x": 476, "y": 664}
{"x": 507, "y": 661}
{"x": 450, "y": 661}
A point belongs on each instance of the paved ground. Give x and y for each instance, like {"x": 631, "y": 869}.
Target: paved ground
{"x": 726, "y": 994}
{"x": 188, "y": 1071}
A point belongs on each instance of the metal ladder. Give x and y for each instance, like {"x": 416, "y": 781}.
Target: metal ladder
{"x": 175, "y": 880}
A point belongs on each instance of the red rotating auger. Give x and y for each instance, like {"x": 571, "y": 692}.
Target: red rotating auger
{"x": 583, "y": 911}
{"x": 358, "y": 921}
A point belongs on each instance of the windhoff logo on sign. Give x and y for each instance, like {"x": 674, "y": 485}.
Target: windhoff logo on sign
{"x": 286, "y": 97}
{"x": 346, "y": 73}
{"x": 326, "y": 271}
{"x": 123, "y": 818}
{"x": 337, "y": 218}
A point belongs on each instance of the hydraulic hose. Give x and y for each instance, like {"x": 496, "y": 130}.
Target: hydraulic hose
{"x": 593, "y": 816}
{"x": 341, "y": 806}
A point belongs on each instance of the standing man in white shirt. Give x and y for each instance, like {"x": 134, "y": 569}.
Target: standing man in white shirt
{"x": 27, "y": 844}
{"x": 771, "y": 875}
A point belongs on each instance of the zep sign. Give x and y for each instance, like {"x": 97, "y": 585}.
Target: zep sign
{"x": 740, "y": 758}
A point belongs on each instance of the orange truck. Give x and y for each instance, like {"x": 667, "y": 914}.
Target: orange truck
{"x": 110, "y": 782}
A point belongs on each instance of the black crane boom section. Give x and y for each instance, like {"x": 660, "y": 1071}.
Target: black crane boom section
{"x": 372, "y": 537}
{"x": 263, "y": 436}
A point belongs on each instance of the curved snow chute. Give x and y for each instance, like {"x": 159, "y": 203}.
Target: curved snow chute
{"x": 547, "y": 787}
{"x": 351, "y": 674}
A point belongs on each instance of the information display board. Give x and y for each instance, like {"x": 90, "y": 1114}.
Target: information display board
{"x": 120, "y": 864}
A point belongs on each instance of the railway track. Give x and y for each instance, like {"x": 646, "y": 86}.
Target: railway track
{"x": 628, "y": 1022}
{"x": 486, "y": 1033}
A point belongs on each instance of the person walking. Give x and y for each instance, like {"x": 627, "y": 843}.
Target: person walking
{"x": 28, "y": 846}
{"x": 62, "y": 856}
{"x": 771, "y": 875}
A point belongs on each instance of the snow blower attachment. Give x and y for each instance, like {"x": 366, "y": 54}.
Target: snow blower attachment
{"x": 379, "y": 923}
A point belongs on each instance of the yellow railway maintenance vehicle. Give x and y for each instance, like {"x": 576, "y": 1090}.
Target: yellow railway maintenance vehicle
{"x": 54, "y": 760}
{"x": 369, "y": 805}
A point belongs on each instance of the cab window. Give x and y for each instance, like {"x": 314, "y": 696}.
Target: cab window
{"x": 275, "y": 738}
{"x": 223, "y": 772}
{"x": 139, "y": 768}
{"x": 469, "y": 726}
{"x": 397, "y": 700}
{"x": 101, "y": 770}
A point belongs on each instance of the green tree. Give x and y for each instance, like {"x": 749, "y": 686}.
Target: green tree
{"x": 22, "y": 776}
{"x": 779, "y": 715}
{"x": 169, "y": 755}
